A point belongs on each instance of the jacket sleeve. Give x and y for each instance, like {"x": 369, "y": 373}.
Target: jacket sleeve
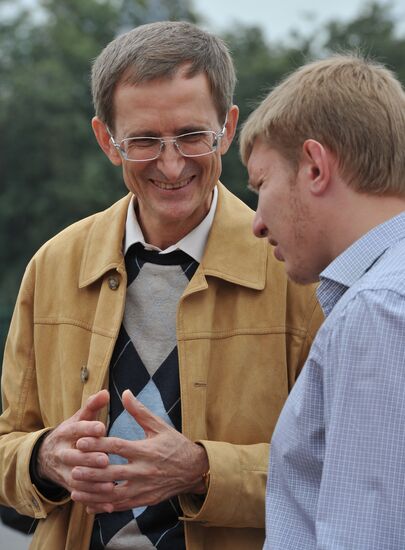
{"x": 240, "y": 473}
{"x": 21, "y": 424}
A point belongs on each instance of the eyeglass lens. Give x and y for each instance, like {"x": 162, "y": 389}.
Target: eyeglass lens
{"x": 191, "y": 145}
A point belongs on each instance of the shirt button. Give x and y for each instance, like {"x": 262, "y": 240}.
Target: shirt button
{"x": 84, "y": 374}
{"x": 113, "y": 282}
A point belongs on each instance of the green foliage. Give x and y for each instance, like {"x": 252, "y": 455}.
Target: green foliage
{"x": 52, "y": 171}
{"x": 259, "y": 67}
{"x": 372, "y": 33}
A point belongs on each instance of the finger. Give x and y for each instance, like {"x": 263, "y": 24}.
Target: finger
{"x": 113, "y": 473}
{"x": 93, "y": 406}
{"x": 149, "y": 422}
{"x": 91, "y": 498}
{"x": 128, "y": 504}
{"x": 100, "y": 509}
{"x": 97, "y": 508}
{"x": 110, "y": 445}
{"x": 83, "y": 428}
{"x": 104, "y": 489}
{"x": 72, "y": 457}
{"x": 143, "y": 499}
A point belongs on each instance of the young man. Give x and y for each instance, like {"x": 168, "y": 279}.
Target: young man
{"x": 326, "y": 153}
{"x": 162, "y": 294}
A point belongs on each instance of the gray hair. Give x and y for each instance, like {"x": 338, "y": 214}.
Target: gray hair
{"x": 158, "y": 50}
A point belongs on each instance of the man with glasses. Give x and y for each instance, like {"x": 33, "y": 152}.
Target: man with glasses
{"x": 166, "y": 300}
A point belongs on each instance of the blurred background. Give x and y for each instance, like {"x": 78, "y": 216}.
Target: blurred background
{"x": 52, "y": 172}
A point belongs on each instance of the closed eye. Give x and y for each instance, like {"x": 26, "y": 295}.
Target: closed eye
{"x": 194, "y": 137}
{"x": 140, "y": 142}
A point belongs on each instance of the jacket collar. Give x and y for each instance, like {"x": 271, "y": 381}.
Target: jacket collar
{"x": 103, "y": 250}
{"x": 232, "y": 253}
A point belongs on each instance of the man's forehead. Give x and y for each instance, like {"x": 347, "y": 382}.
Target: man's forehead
{"x": 255, "y": 170}
{"x": 259, "y": 153}
{"x": 182, "y": 101}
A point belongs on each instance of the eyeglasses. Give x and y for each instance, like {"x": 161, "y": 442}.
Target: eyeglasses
{"x": 192, "y": 144}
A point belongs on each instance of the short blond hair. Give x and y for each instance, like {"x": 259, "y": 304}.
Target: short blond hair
{"x": 353, "y": 106}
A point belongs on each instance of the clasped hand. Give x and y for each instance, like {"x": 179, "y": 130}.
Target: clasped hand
{"x": 163, "y": 464}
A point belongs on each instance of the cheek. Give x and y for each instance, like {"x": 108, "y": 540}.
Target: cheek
{"x": 134, "y": 174}
{"x": 212, "y": 166}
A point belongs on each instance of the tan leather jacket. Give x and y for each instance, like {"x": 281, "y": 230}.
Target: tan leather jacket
{"x": 243, "y": 335}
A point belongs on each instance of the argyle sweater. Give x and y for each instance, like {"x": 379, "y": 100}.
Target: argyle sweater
{"x": 145, "y": 360}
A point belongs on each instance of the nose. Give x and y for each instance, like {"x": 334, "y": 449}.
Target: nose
{"x": 259, "y": 227}
{"x": 170, "y": 161}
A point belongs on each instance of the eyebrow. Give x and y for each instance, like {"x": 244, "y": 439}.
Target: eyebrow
{"x": 192, "y": 128}
{"x": 179, "y": 132}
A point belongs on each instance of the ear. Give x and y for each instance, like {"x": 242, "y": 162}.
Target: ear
{"x": 316, "y": 163}
{"x": 104, "y": 140}
{"x": 230, "y": 128}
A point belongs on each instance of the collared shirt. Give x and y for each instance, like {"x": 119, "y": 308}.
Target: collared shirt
{"x": 337, "y": 459}
{"x": 193, "y": 243}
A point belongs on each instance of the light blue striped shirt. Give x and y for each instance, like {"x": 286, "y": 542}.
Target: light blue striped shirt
{"x": 337, "y": 458}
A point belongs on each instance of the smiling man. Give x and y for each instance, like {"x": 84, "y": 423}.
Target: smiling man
{"x": 153, "y": 344}
{"x": 325, "y": 152}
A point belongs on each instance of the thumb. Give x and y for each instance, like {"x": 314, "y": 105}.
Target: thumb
{"x": 93, "y": 406}
{"x": 149, "y": 422}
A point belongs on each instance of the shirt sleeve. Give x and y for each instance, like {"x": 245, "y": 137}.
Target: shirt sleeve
{"x": 362, "y": 492}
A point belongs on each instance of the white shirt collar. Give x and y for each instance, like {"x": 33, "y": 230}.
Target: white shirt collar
{"x": 193, "y": 243}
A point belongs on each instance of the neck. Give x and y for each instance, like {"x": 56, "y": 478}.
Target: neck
{"x": 360, "y": 214}
{"x": 163, "y": 237}
{"x": 168, "y": 229}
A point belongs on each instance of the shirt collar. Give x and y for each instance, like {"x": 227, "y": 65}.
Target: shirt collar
{"x": 193, "y": 243}
{"x": 356, "y": 260}
{"x": 232, "y": 252}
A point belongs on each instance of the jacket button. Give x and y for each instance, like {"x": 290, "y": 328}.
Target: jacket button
{"x": 113, "y": 282}
{"x": 84, "y": 374}
{"x": 35, "y": 503}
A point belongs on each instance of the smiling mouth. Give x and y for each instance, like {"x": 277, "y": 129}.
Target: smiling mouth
{"x": 172, "y": 186}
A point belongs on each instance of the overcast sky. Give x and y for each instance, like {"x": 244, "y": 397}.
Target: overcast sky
{"x": 278, "y": 17}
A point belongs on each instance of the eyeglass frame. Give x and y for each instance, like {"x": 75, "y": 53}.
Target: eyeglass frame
{"x": 168, "y": 139}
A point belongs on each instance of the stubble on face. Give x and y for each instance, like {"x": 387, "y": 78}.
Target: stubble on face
{"x": 307, "y": 261}
{"x": 286, "y": 214}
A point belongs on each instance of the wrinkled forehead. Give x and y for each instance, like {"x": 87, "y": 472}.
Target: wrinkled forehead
{"x": 165, "y": 107}
{"x": 166, "y": 91}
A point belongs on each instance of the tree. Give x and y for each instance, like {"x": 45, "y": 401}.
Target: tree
{"x": 52, "y": 171}
{"x": 374, "y": 33}
{"x": 259, "y": 66}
